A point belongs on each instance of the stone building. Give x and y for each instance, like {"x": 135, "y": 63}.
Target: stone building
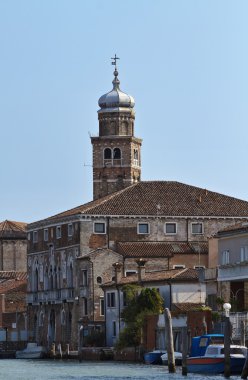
{"x": 71, "y": 254}
{"x": 13, "y": 246}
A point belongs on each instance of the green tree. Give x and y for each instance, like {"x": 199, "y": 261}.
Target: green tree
{"x": 139, "y": 303}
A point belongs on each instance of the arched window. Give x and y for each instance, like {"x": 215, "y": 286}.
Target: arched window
{"x": 117, "y": 154}
{"x": 107, "y": 154}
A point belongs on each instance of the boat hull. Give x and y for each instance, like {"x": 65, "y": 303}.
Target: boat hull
{"x": 214, "y": 365}
{"x": 153, "y": 358}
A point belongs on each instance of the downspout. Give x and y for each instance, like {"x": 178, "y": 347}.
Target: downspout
{"x": 170, "y": 295}
{"x": 93, "y": 290}
{"x": 119, "y": 307}
{"x": 108, "y": 232}
{"x": 187, "y": 220}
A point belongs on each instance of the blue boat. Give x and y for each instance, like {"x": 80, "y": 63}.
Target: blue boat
{"x": 153, "y": 357}
{"x": 213, "y": 360}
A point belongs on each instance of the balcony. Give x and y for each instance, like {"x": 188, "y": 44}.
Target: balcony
{"x": 231, "y": 272}
{"x": 51, "y": 296}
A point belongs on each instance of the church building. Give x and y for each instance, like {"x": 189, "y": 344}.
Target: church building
{"x": 71, "y": 255}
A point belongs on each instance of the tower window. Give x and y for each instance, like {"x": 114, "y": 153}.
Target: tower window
{"x": 117, "y": 154}
{"x": 107, "y": 154}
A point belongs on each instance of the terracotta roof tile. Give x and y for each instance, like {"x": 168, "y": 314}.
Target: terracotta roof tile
{"x": 174, "y": 198}
{"x": 13, "y": 275}
{"x": 160, "y": 249}
{"x": 235, "y": 228}
{"x": 186, "y": 306}
{"x": 173, "y": 275}
{"x": 10, "y": 229}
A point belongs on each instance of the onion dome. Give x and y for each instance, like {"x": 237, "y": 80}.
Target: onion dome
{"x": 116, "y": 100}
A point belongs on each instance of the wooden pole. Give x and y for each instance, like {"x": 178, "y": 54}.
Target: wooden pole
{"x": 227, "y": 362}
{"x": 169, "y": 339}
{"x": 242, "y": 333}
{"x": 244, "y": 373}
{"x": 184, "y": 350}
{"x": 80, "y": 343}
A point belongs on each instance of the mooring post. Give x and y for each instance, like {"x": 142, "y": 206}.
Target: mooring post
{"x": 244, "y": 373}
{"x": 80, "y": 343}
{"x": 184, "y": 350}
{"x": 169, "y": 339}
{"x": 227, "y": 339}
{"x": 242, "y": 333}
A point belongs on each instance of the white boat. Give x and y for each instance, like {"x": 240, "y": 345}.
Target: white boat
{"x": 177, "y": 356}
{"x": 32, "y": 351}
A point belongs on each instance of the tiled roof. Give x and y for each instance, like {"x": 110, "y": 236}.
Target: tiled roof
{"x": 5, "y": 275}
{"x": 173, "y": 275}
{"x": 15, "y": 294}
{"x": 173, "y": 198}
{"x": 160, "y": 249}
{"x": 10, "y": 229}
{"x": 237, "y": 228}
{"x": 186, "y": 306}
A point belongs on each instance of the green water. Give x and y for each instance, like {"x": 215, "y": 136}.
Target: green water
{"x": 12, "y": 369}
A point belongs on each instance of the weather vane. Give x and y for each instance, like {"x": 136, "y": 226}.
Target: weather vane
{"x": 114, "y": 59}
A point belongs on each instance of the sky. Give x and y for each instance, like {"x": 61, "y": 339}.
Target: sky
{"x": 185, "y": 63}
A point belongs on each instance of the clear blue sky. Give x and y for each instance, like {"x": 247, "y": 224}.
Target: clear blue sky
{"x": 185, "y": 63}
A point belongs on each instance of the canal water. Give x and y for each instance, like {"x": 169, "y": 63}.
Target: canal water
{"x": 12, "y": 369}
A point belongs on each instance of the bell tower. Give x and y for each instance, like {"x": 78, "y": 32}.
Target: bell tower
{"x": 116, "y": 152}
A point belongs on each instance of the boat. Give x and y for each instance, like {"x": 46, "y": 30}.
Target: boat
{"x": 177, "y": 356}
{"x": 153, "y": 357}
{"x": 213, "y": 361}
{"x": 32, "y": 351}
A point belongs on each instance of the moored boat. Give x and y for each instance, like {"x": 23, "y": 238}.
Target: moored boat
{"x": 177, "y": 356}
{"x": 213, "y": 360}
{"x": 32, "y": 351}
{"x": 153, "y": 357}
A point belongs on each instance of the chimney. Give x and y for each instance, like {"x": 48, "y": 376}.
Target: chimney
{"x": 141, "y": 269}
{"x": 118, "y": 272}
{"x": 2, "y": 308}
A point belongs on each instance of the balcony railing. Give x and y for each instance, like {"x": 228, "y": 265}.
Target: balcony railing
{"x": 55, "y": 296}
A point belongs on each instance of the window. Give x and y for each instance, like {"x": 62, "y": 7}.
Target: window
{"x": 35, "y": 236}
{"x": 46, "y": 234}
{"x": 143, "y": 228}
{"x": 197, "y": 228}
{"x": 179, "y": 266}
{"x": 111, "y": 299}
{"x": 84, "y": 277}
{"x": 117, "y": 154}
{"x": 58, "y": 232}
{"x": 70, "y": 229}
{"x": 244, "y": 253}
{"x": 99, "y": 279}
{"x": 85, "y": 306}
{"x": 114, "y": 328}
{"x": 99, "y": 228}
{"x": 107, "y": 154}
{"x": 225, "y": 257}
{"x": 170, "y": 228}
{"x": 130, "y": 272}
{"x": 102, "y": 310}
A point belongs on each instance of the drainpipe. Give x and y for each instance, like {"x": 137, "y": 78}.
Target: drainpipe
{"x": 170, "y": 294}
{"x": 108, "y": 232}
{"x": 93, "y": 290}
{"x": 187, "y": 220}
